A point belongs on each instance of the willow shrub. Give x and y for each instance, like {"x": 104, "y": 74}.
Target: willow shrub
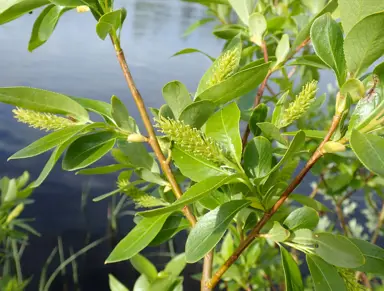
{"x": 236, "y": 201}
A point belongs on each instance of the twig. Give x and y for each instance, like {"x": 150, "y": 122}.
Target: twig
{"x": 270, "y": 89}
{"x": 267, "y": 215}
{"x": 263, "y": 85}
{"x": 380, "y": 222}
{"x": 153, "y": 142}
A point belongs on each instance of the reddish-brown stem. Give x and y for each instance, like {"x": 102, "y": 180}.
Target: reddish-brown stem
{"x": 267, "y": 215}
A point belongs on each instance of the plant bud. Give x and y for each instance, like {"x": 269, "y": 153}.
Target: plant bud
{"x": 136, "y": 137}
{"x": 82, "y": 8}
{"x": 15, "y": 212}
{"x": 333, "y": 147}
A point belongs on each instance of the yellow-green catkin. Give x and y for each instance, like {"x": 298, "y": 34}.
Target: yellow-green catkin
{"x": 191, "y": 140}
{"x": 300, "y": 105}
{"x": 43, "y": 121}
{"x": 142, "y": 199}
{"x": 225, "y": 66}
{"x": 349, "y": 277}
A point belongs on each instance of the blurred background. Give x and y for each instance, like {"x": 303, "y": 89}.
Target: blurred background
{"x": 75, "y": 62}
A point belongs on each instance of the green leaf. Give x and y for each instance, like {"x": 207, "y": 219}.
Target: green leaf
{"x": 374, "y": 257}
{"x": 282, "y": 49}
{"x": 235, "y": 86}
{"x": 138, "y": 238}
{"x": 227, "y": 247}
{"x": 325, "y": 276}
{"x": 355, "y": 88}
{"x": 304, "y": 217}
{"x": 317, "y": 134}
{"x": 197, "y": 113}
{"x": 258, "y": 157}
{"x": 293, "y": 280}
{"x": 210, "y": 229}
{"x": 369, "y": 149}
{"x": 12, "y": 9}
{"x": 102, "y": 170}
{"x": 142, "y": 284}
{"x": 151, "y": 177}
{"x": 177, "y": 97}
{"x": 338, "y": 250}
{"x": 327, "y": 39}
{"x": 279, "y": 109}
{"x": 215, "y": 199}
{"x": 309, "y": 60}
{"x": 196, "y": 25}
{"x": 116, "y": 285}
{"x": 42, "y": 101}
{"x": 121, "y": 115}
{"x": 102, "y": 108}
{"x": 110, "y": 21}
{"x": 44, "y": 25}
{"x": 257, "y": 27}
{"x": 222, "y": 67}
{"x": 272, "y": 132}
{"x": 208, "y": 2}
{"x": 277, "y": 233}
{"x": 144, "y": 267}
{"x": 224, "y": 127}
{"x": 137, "y": 155}
{"x": 259, "y": 115}
{"x": 56, "y": 154}
{"x": 242, "y": 9}
{"x": 194, "y": 193}
{"x": 303, "y": 236}
{"x": 364, "y": 44}
{"x": 352, "y": 11}
{"x": 305, "y": 32}
{"x": 48, "y": 142}
{"x": 88, "y": 149}
{"x": 173, "y": 225}
{"x": 194, "y": 167}
{"x": 191, "y": 51}
{"x": 308, "y": 201}
{"x": 166, "y": 112}
{"x": 176, "y": 265}
{"x": 229, "y": 31}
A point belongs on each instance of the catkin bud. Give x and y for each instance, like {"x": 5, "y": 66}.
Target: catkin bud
{"x": 225, "y": 66}
{"x": 300, "y": 105}
{"x": 82, "y": 8}
{"x": 333, "y": 147}
{"x": 191, "y": 140}
{"x": 136, "y": 137}
{"x": 15, "y": 212}
{"x": 143, "y": 199}
{"x": 43, "y": 121}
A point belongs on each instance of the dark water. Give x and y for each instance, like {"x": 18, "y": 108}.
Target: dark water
{"x": 76, "y": 62}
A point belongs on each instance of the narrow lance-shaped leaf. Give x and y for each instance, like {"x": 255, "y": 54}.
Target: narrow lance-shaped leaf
{"x": 210, "y": 229}
{"x": 369, "y": 149}
{"x": 282, "y": 49}
{"x": 44, "y": 25}
{"x": 364, "y": 44}
{"x": 191, "y": 51}
{"x": 327, "y": 39}
{"x": 42, "y": 101}
{"x": 138, "y": 238}
{"x": 116, "y": 285}
{"x": 10, "y": 10}
{"x": 196, "y": 192}
{"x": 293, "y": 280}
{"x": 325, "y": 276}
{"x": 88, "y": 149}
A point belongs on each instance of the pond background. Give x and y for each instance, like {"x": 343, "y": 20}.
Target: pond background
{"x": 76, "y": 62}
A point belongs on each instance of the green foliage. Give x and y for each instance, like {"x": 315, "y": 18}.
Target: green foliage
{"x": 235, "y": 191}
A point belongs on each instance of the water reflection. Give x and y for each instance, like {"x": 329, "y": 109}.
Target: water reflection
{"x": 75, "y": 62}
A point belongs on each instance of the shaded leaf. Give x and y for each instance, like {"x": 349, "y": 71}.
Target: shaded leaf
{"x": 197, "y": 113}
{"x": 293, "y": 280}
{"x": 10, "y": 10}
{"x": 144, "y": 267}
{"x": 177, "y": 97}
{"x": 258, "y": 157}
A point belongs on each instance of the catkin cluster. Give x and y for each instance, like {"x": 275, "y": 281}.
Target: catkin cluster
{"x": 43, "y": 121}
{"x": 349, "y": 277}
{"x": 191, "y": 140}
{"x": 300, "y": 105}
{"x": 225, "y": 66}
{"x": 140, "y": 198}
